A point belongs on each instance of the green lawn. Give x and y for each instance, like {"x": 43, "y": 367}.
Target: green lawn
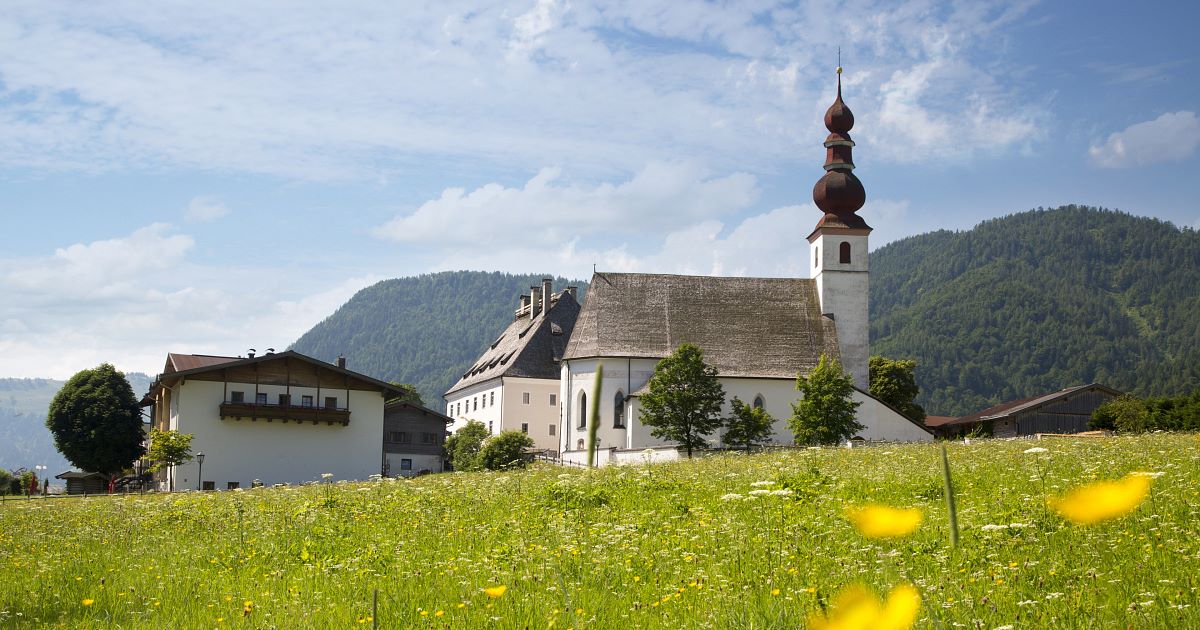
{"x": 631, "y": 547}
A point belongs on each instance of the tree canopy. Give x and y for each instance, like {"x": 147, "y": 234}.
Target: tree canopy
{"x": 748, "y": 425}
{"x": 410, "y": 394}
{"x": 505, "y": 450}
{"x": 825, "y": 413}
{"x": 684, "y": 398}
{"x": 463, "y": 446}
{"x": 96, "y": 421}
{"x": 894, "y": 382}
{"x": 169, "y": 448}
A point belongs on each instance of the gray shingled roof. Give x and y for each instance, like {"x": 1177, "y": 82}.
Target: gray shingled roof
{"x": 527, "y": 348}
{"x": 751, "y": 327}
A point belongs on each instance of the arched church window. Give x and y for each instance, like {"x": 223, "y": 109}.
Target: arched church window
{"x": 759, "y": 403}
{"x": 844, "y": 253}
{"x": 619, "y": 410}
{"x": 582, "y": 410}
{"x": 579, "y": 445}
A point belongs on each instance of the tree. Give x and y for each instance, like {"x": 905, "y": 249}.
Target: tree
{"x": 169, "y": 449}
{"x": 747, "y": 425}
{"x": 684, "y": 400}
{"x": 6, "y": 480}
{"x": 1125, "y": 413}
{"x": 825, "y": 413}
{"x": 96, "y": 421}
{"x": 505, "y": 450}
{"x": 894, "y": 381}
{"x": 463, "y": 447}
{"x": 410, "y": 394}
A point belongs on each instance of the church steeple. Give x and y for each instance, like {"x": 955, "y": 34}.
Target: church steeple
{"x": 839, "y": 194}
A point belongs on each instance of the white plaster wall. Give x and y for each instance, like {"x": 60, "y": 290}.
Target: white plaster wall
{"x": 624, "y": 375}
{"x": 539, "y": 414}
{"x": 843, "y": 289}
{"x": 487, "y": 411}
{"x": 277, "y": 452}
{"x": 885, "y": 425}
{"x": 420, "y": 462}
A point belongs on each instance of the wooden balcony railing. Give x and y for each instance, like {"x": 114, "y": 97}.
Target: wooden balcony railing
{"x": 298, "y": 413}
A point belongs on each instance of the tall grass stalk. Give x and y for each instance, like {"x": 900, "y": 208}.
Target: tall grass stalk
{"x": 951, "y": 508}
{"x": 594, "y": 416}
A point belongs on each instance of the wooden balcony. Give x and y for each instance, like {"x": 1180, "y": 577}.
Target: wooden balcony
{"x": 270, "y": 413}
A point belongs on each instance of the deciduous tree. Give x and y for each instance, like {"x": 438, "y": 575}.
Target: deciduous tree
{"x": 96, "y": 421}
{"x": 747, "y": 425}
{"x": 169, "y": 449}
{"x": 894, "y": 381}
{"x": 505, "y": 450}
{"x": 825, "y": 413}
{"x": 462, "y": 448}
{"x": 684, "y": 400}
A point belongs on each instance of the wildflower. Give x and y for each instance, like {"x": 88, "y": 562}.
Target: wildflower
{"x": 774, "y": 592}
{"x": 1037, "y": 449}
{"x": 881, "y": 521}
{"x": 88, "y": 602}
{"x": 327, "y": 475}
{"x": 1102, "y": 500}
{"x": 439, "y": 613}
{"x": 495, "y": 591}
{"x": 760, "y": 484}
{"x": 857, "y": 608}
{"x": 732, "y": 496}
{"x": 759, "y": 493}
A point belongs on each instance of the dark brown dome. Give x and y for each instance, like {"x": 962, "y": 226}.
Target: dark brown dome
{"x": 839, "y": 192}
{"x": 838, "y": 118}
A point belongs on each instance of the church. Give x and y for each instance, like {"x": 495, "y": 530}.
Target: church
{"x": 759, "y": 333}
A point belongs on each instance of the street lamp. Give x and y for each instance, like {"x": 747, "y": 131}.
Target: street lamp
{"x": 41, "y": 474}
{"x": 200, "y": 460}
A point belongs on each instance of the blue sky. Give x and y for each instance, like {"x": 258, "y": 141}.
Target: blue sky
{"x": 210, "y": 177}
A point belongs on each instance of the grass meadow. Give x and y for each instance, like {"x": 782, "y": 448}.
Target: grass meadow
{"x": 680, "y": 545}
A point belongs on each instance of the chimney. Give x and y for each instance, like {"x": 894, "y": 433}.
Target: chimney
{"x": 572, "y": 291}
{"x": 547, "y": 293}
{"x": 535, "y": 302}
{"x": 341, "y": 362}
{"x": 270, "y": 350}
{"x": 524, "y": 305}
{"x": 250, "y": 353}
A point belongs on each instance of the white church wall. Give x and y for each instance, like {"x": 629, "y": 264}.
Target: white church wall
{"x": 622, "y": 375}
{"x": 843, "y": 289}
{"x": 886, "y": 425}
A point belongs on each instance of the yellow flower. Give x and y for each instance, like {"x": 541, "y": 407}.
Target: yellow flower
{"x": 881, "y": 521}
{"x": 857, "y": 608}
{"x": 774, "y": 592}
{"x": 439, "y": 613}
{"x": 88, "y": 602}
{"x": 495, "y": 591}
{"x": 1102, "y": 500}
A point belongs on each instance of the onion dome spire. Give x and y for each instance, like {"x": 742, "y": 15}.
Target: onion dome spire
{"x": 839, "y": 193}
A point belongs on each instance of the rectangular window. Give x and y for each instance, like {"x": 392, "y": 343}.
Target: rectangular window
{"x": 406, "y": 464}
{"x": 476, "y": 399}
{"x": 285, "y": 400}
{"x": 306, "y": 401}
{"x": 208, "y": 485}
{"x": 260, "y": 398}
{"x": 553, "y": 399}
{"x": 237, "y": 397}
{"x": 552, "y": 429}
{"x": 401, "y": 437}
{"x": 524, "y": 427}
{"x": 524, "y": 398}
{"x": 331, "y": 402}
{"x": 233, "y": 485}
{"x": 490, "y": 427}
{"x": 492, "y": 399}
{"x": 428, "y": 438}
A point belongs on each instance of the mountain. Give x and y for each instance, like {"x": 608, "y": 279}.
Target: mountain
{"x": 1037, "y": 301}
{"x": 425, "y": 330}
{"x": 25, "y": 441}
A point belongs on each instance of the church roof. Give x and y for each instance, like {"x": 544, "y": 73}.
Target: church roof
{"x": 528, "y": 348}
{"x": 749, "y": 327}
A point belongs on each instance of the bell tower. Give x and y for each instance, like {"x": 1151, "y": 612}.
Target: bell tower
{"x": 839, "y": 244}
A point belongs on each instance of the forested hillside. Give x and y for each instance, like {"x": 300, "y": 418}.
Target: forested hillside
{"x": 25, "y": 441}
{"x": 1038, "y": 301}
{"x": 425, "y": 330}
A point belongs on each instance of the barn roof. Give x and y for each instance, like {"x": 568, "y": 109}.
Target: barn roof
{"x": 748, "y": 327}
{"x": 529, "y": 348}
{"x": 1013, "y": 407}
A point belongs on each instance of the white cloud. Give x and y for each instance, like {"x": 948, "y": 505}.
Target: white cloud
{"x": 549, "y": 210}
{"x": 132, "y": 299}
{"x": 371, "y": 89}
{"x": 1170, "y": 137}
{"x": 202, "y": 209}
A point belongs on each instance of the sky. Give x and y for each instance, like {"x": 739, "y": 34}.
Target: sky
{"x": 211, "y": 177}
